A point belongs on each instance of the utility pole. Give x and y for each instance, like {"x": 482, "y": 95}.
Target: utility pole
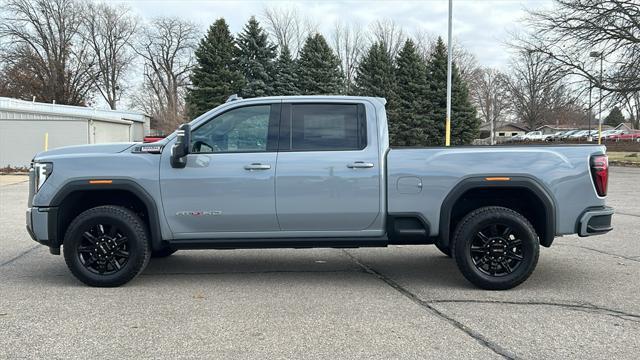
{"x": 590, "y": 88}
{"x": 447, "y": 140}
{"x": 600, "y": 101}
{"x": 599, "y": 54}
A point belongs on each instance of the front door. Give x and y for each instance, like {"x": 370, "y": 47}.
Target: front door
{"x": 328, "y": 175}
{"x": 227, "y": 188}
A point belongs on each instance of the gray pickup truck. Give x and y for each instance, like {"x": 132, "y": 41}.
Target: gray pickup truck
{"x": 310, "y": 171}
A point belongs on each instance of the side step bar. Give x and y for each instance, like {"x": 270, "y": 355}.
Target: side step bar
{"x": 295, "y": 243}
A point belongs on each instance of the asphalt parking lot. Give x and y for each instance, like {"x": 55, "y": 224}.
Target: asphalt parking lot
{"x": 401, "y": 302}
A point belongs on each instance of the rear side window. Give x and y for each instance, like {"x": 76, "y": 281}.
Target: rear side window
{"x": 327, "y": 127}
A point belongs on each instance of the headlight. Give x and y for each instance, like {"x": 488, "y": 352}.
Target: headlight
{"x": 41, "y": 172}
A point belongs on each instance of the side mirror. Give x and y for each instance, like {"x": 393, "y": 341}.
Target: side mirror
{"x": 180, "y": 149}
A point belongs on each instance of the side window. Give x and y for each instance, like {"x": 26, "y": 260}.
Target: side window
{"x": 328, "y": 127}
{"x": 244, "y": 129}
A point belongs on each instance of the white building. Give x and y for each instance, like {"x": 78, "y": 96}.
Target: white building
{"x": 26, "y": 128}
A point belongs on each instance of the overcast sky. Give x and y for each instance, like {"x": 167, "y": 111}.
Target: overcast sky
{"x": 481, "y": 26}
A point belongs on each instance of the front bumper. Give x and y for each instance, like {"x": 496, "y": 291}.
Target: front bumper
{"x": 595, "y": 221}
{"x": 42, "y": 225}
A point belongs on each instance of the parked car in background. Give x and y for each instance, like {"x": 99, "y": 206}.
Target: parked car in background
{"x": 583, "y": 134}
{"x": 554, "y": 137}
{"x": 630, "y": 136}
{"x": 517, "y": 138}
{"x": 610, "y": 134}
{"x": 593, "y": 134}
{"x": 150, "y": 139}
{"x": 567, "y": 134}
{"x": 533, "y": 136}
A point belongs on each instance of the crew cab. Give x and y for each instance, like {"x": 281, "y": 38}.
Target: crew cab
{"x": 311, "y": 171}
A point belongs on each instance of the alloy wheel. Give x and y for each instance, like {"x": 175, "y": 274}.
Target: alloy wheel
{"x": 496, "y": 250}
{"x": 104, "y": 249}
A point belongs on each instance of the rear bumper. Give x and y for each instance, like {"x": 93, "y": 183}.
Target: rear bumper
{"x": 595, "y": 221}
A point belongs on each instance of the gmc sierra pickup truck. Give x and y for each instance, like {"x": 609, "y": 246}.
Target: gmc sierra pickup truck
{"x": 310, "y": 171}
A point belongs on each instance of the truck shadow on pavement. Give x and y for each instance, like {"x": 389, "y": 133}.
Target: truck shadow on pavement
{"x": 422, "y": 270}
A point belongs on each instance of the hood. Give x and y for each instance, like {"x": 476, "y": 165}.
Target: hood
{"x": 109, "y": 148}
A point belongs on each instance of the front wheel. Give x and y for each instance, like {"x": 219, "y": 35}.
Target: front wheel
{"x": 495, "y": 248}
{"x": 106, "y": 246}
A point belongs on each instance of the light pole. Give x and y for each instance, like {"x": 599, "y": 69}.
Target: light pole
{"x": 589, "y": 110}
{"x": 447, "y": 125}
{"x": 595, "y": 54}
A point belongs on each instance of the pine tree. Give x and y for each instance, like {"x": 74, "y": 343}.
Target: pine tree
{"x": 412, "y": 124}
{"x": 256, "y": 57}
{"x": 318, "y": 69}
{"x": 285, "y": 82}
{"x": 464, "y": 120}
{"x": 375, "y": 76}
{"x": 216, "y": 75}
{"x": 375, "y": 73}
{"x": 615, "y": 117}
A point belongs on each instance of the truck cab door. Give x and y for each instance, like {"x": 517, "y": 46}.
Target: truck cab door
{"x": 328, "y": 178}
{"x": 227, "y": 188}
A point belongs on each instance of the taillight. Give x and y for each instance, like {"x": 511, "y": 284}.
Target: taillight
{"x": 600, "y": 173}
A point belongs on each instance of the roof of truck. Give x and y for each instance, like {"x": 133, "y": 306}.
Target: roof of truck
{"x": 381, "y": 100}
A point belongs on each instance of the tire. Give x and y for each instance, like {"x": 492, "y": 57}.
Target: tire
{"x": 162, "y": 253}
{"x": 106, "y": 246}
{"x": 444, "y": 249}
{"x": 495, "y": 248}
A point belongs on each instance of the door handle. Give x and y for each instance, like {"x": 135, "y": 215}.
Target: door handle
{"x": 360, "y": 165}
{"x": 257, "y": 166}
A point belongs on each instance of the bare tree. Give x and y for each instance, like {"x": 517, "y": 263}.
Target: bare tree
{"x": 146, "y": 100}
{"x": 109, "y": 32}
{"x": 166, "y": 45}
{"x": 17, "y": 78}
{"x": 349, "y": 43}
{"x": 288, "y": 28}
{"x": 490, "y": 94}
{"x": 425, "y": 41}
{"x": 574, "y": 29}
{"x": 631, "y": 102}
{"x": 44, "y": 37}
{"x": 536, "y": 88}
{"x": 466, "y": 62}
{"x": 389, "y": 33}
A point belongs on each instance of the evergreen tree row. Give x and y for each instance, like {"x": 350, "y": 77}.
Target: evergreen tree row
{"x": 415, "y": 89}
{"x": 250, "y": 66}
{"x": 416, "y": 96}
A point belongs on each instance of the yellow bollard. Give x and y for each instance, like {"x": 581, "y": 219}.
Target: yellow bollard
{"x": 447, "y": 138}
{"x": 599, "y": 133}
{"x": 46, "y": 141}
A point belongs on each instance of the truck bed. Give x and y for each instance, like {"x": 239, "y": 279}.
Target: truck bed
{"x": 419, "y": 179}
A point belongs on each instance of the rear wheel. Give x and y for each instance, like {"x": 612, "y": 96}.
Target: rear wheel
{"x": 106, "y": 246}
{"x": 495, "y": 248}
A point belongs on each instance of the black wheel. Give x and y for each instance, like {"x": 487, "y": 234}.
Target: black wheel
{"x": 495, "y": 248}
{"x": 164, "y": 252}
{"x": 106, "y": 246}
{"x": 444, "y": 249}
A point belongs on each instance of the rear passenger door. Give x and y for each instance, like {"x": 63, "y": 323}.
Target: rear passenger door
{"x": 328, "y": 169}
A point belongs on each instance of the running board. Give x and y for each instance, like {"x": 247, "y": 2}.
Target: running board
{"x": 295, "y": 243}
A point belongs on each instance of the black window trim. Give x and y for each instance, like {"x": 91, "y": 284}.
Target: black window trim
{"x": 284, "y": 137}
{"x": 272, "y": 132}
